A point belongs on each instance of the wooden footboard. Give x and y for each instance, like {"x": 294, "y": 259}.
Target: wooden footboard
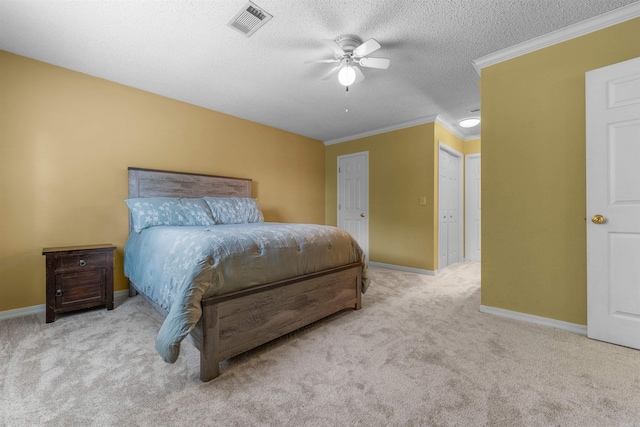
{"x": 234, "y": 323}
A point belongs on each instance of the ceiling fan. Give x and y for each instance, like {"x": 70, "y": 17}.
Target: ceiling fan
{"x": 350, "y": 52}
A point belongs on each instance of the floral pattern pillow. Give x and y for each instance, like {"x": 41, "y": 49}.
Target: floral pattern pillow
{"x": 197, "y": 212}
{"x": 234, "y": 210}
{"x": 153, "y": 211}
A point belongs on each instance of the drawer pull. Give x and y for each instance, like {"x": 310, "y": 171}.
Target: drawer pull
{"x": 58, "y": 292}
{"x": 82, "y": 263}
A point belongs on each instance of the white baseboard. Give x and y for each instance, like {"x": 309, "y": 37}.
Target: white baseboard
{"x": 19, "y": 312}
{"x": 403, "y": 268}
{"x": 41, "y": 308}
{"x": 530, "y": 318}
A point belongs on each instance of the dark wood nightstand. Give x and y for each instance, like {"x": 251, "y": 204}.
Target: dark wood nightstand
{"x": 78, "y": 277}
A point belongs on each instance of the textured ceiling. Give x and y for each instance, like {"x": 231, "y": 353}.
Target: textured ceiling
{"x": 185, "y": 50}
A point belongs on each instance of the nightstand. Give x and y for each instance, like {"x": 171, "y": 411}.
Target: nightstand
{"x": 78, "y": 277}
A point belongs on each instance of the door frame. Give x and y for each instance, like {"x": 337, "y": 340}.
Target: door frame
{"x": 339, "y": 216}
{"x": 467, "y": 208}
{"x": 460, "y": 190}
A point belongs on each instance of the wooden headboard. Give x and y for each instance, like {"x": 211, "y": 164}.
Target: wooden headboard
{"x": 157, "y": 183}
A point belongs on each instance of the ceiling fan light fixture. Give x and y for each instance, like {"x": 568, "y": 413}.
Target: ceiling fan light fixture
{"x": 346, "y": 75}
{"x": 469, "y": 122}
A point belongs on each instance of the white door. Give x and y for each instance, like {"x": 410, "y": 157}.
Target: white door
{"x": 443, "y": 209}
{"x": 472, "y": 207}
{"x": 353, "y": 196}
{"x": 449, "y": 203}
{"x": 613, "y": 203}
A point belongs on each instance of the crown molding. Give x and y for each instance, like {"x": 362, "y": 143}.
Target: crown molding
{"x": 448, "y": 126}
{"x": 403, "y": 125}
{"x": 434, "y": 118}
{"x": 587, "y": 26}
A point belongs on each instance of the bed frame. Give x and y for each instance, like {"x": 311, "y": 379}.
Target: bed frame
{"x": 239, "y": 321}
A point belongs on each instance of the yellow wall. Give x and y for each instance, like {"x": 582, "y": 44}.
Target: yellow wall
{"x": 66, "y": 140}
{"x": 533, "y": 174}
{"x": 472, "y": 146}
{"x": 402, "y": 168}
{"x": 442, "y": 134}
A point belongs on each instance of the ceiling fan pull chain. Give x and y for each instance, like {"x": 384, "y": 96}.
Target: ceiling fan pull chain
{"x": 346, "y": 100}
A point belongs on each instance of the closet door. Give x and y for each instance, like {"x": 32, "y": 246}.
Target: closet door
{"x": 449, "y": 206}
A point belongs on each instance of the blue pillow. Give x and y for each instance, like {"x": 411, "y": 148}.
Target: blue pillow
{"x": 234, "y": 210}
{"x": 151, "y": 211}
{"x": 197, "y": 212}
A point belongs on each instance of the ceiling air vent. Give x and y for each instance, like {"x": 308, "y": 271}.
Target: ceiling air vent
{"x": 249, "y": 19}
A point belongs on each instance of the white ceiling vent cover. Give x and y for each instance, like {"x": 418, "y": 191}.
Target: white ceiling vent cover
{"x": 249, "y": 19}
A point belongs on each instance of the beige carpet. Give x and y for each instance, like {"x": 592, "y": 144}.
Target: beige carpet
{"x": 418, "y": 354}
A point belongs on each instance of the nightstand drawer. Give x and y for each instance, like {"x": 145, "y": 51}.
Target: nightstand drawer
{"x": 80, "y": 288}
{"x": 82, "y": 261}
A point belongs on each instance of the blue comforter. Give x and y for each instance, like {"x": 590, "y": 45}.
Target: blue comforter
{"x": 177, "y": 266}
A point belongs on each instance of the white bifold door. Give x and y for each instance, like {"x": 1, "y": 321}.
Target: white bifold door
{"x": 449, "y": 206}
{"x": 613, "y": 203}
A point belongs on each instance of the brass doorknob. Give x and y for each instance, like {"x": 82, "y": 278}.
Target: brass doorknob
{"x": 363, "y": 215}
{"x": 598, "y": 219}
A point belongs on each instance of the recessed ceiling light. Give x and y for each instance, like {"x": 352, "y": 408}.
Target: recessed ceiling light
{"x": 470, "y": 122}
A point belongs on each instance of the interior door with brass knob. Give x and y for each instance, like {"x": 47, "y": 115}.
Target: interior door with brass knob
{"x": 353, "y": 197}
{"x": 613, "y": 203}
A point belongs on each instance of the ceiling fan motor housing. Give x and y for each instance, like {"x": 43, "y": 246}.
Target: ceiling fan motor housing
{"x": 348, "y": 42}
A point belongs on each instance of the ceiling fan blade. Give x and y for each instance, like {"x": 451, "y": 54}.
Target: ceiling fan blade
{"x": 366, "y": 48}
{"x": 322, "y": 61}
{"x": 331, "y": 72}
{"x": 359, "y": 75}
{"x": 335, "y": 47}
{"x": 382, "y": 63}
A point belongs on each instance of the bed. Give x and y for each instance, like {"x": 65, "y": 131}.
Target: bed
{"x": 225, "y": 303}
